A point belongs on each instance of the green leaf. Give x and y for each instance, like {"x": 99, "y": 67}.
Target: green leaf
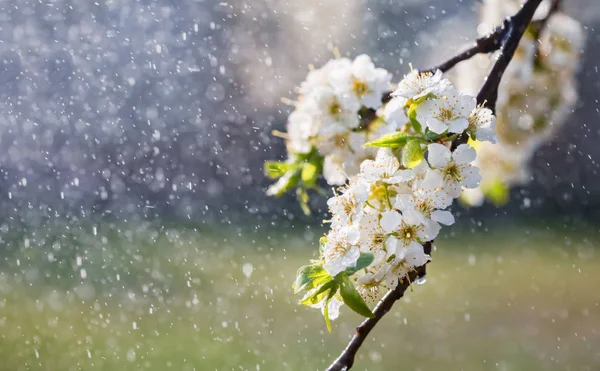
{"x": 321, "y": 293}
{"x": 276, "y": 169}
{"x": 412, "y": 154}
{"x": 288, "y": 181}
{"x": 412, "y": 116}
{"x": 364, "y": 260}
{"x": 303, "y": 199}
{"x": 309, "y": 277}
{"x": 326, "y": 310}
{"x": 352, "y": 298}
{"x": 431, "y": 136}
{"x": 310, "y": 174}
{"x": 392, "y": 140}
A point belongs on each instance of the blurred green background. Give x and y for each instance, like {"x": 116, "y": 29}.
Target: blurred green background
{"x": 516, "y": 296}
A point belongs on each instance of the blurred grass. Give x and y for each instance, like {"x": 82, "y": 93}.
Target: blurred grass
{"x": 156, "y": 298}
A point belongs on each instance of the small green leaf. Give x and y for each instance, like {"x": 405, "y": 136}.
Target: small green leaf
{"x": 310, "y": 174}
{"x": 320, "y": 294}
{"x": 276, "y": 169}
{"x": 309, "y": 277}
{"x": 322, "y": 243}
{"x": 288, "y": 181}
{"x": 364, "y": 260}
{"x": 412, "y": 154}
{"x": 431, "y": 136}
{"x": 326, "y": 310}
{"x": 412, "y": 116}
{"x": 352, "y": 298}
{"x": 303, "y": 199}
{"x": 392, "y": 140}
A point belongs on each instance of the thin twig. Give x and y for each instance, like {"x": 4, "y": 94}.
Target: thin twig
{"x": 486, "y": 44}
{"x": 509, "y": 37}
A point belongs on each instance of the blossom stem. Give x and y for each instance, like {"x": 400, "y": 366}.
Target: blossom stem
{"x": 506, "y": 39}
{"x": 387, "y": 196}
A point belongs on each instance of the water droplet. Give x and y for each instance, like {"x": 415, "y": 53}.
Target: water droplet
{"x": 421, "y": 280}
{"x": 247, "y": 269}
{"x": 131, "y": 355}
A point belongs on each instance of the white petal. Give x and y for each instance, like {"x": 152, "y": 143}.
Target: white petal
{"x": 430, "y": 230}
{"x": 404, "y": 202}
{"x": 334, "y": 308}
{"x": 333, "y": 172}
{"x": 471, "y": 177}
{"x": 352, "y": 235}
{"x": 401, "y": 176}
{"x": 390, "y": 221}
{"x": 443, "y": 216}
{"x": 333, "y": 267}
{"x": 458, "y": 126}
{"x": 413, "y": 217}
{"x": 415, "y": 255}
{"x": 433, "y": 179}
{"x": 466, "y": 104}
{"x": 464, "y": 154}
{"x": 349, "y": 259}
{"x": 391, "y": 245}
{"x": 487, "y": 134}
{"x": 438, "y": 155}
{"x": 436, "y": 126}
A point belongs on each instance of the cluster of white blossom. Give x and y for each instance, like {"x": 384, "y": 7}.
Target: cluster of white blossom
{"x": 537, "y": 92}
{"x": 398, "y": 201}
{"x": 326, "y": 115}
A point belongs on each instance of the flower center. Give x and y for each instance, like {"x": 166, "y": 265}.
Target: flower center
{"x": 452, "y": 171}
{"x": 408, "y": 232}
{"x": 349, "y": 206}
{"x": 340, "y": 140}
{"x": 335, "y": 109}
{"x": 378, "y": 239}
{"x": 360, "y": 88}
{"x": 445, "y": 115}
{"x": 424, "y": 207}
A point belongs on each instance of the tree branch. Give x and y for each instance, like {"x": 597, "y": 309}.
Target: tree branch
{"x": 483, "y": 45}
{"x": 346, "y": 359}
{"x": 505, "y": 38}
{"x": 516, "y": 25}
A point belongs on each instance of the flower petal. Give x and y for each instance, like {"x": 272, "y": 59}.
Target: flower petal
{"x": 438, "y": 155}
{"x": 390, "y": 221}
{"x": 464, "y": 154}
{"x": 443, "y": 216}
{"x": 459, "y": 125}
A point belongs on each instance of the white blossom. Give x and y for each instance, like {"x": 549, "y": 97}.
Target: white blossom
{"x": 341, "y": 249}
{"x": 393, "y": 112}
{"x": 419, "y": 84}
{"x": 446, "y": 113}
{"x": 349, "y": 207}
{"x": 452, "y": 170}
{"x": 362, "y": 81}
{"x": 483, "y": 122}
{"x": 385, "y": 169}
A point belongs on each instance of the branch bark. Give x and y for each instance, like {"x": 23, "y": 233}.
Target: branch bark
{"x": 506, "y": 39}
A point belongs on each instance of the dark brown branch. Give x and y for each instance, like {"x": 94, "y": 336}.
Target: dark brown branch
{"x": 483, "y": 45}
{"x": 346, "y": 359}
{"x": 517, "y": 24}
{"x": 506, "y": 39}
